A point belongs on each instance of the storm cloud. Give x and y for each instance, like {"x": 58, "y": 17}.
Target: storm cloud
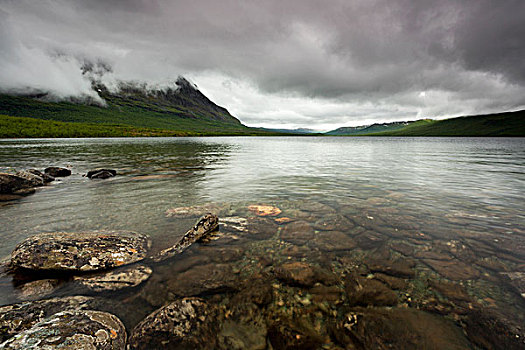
{"x": 297, "y": 63}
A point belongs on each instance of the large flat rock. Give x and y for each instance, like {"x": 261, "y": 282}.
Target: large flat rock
{"x": 80, "y": 251}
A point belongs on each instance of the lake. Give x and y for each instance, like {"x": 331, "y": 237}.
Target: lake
{"x": 368, "y": 240}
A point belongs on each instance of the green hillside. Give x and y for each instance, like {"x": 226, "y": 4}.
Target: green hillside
{"x": 500, "y": 124}
{"x": 184, "y": 110}
{"x": 370, "y": 129}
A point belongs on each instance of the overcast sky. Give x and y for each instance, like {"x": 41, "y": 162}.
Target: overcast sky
{"x": 283, "y": 63}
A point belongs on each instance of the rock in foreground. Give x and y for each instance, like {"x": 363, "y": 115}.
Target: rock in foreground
{"x": 126, "y": 277}
{"x": 82, "y": 251}
{"x": 204, "y": 226}
{"x": 73, "y": 330}
{"x": 11, "y": 183}
{"x": 182, "y": 324}
{"x": 16, "y": 318}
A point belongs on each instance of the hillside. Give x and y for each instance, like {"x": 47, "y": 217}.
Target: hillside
{"x": 369, "y": 129}
{"x": 500, "y": 124}
{"x": 183, "y": 109}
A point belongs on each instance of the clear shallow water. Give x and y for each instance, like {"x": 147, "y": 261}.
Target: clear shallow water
{"x": 452, "y": 208}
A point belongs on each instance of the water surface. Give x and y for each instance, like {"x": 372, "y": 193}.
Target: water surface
{"x": 448, "y": 210}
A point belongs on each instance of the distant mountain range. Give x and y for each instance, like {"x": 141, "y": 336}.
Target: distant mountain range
{"x": 299, "y": 131}
{"x": 498, "y": 124}
{"x": 182, "y": 110}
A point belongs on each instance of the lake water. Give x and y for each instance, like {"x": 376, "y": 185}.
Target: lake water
{"x": 376, "y": 238}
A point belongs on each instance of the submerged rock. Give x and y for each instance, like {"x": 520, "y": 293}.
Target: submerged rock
{"x": 453, "y": 270}
{"x": 101, "y": 173}
{"x": 264, "y": 210}
{"x": 183, "y": 324}
{"x": 204, "y": 279}
{"x": 297, "y": 232}
{"x": 16, "y": 318}
{"x": 517, "y": 280}
{"x": 126, "y": 277}
{"x": 37, "y": 289}
{"x": 378, "y": 328}
{"x": 82, "y": 251}
{"x": 57, "y": 171}
{"x": 195, "y": 210}
{"x": 204, "y": 226}
{"x": 331, "y": 241}
{"x": 10, "y": 184}
{"x": 369, "y": 292}
{"x": 81, "y": 329}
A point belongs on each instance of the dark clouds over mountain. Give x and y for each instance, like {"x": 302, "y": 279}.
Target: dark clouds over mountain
{"x": 281, "y": 63}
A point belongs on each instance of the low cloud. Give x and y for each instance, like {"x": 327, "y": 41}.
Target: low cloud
{"x": 294, "y": 64}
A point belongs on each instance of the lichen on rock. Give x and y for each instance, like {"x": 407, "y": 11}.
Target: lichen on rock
{"x": 81, "y": 251}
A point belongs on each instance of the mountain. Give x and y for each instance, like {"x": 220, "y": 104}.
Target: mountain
{"x": 181, "y": 109}
{"x": 498, "y": 124}
{"x": 299, "y": 131}
{"x": 369, "y": 129}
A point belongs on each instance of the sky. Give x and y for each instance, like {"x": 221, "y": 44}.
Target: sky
{"x": 279, "y": 63}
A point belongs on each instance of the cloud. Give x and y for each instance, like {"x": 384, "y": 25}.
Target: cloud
{"x": 294, "y": 63}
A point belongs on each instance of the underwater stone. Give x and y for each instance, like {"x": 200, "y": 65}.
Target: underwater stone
{"x": 183, "y": 324}
{"x": 205, "y": 225}
{"x": 126, "y": 277}
{"x": 80, "y": 251}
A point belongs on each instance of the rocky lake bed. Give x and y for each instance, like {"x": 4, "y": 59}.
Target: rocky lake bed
{"x": 359, "y": 271}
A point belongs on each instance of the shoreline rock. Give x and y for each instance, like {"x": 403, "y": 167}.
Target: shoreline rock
{"x": 80, "y": 251}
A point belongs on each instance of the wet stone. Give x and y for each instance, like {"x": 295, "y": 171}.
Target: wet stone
{"x": 101, "y": 173}
{"x": 81, "y": 329}
{"x": 369, "y": 292}
{"x": 451, "y": 291}
{"x": 203, "y": 279}
{"x": 517, "y": 280}
{"x": 333, "y": 222}
{"x": 378, "y": 328}
{"x": 398, "y": 268}
{"x": 10, "y": 184}
{"x": 46, "y": 177}
{"x": 183, "y": 324}
{"x": 298, "y": 232}
{"x": 392, "y": 282}
{"x": 264, "y": 210}
{"x": 490, "y": 331}
{"x": 15, "y": 318}
{"x": 453, "y": 270}
{"x": 57, "y": 171}
{"x": 195, "y": 210}
{"x": 81, "y": 251}
{"x": 37, "y": 289}
{"x": 298, "y": 273}
{"x": 331, "y": 241}
{"x": 35, "y": 180}
{"x": 203, "y": 227}
{"x": 126, "y": 277}
{"x": 291, "y": 334}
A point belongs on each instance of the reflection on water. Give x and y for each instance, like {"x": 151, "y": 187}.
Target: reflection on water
{"x": 371, "y": 233}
